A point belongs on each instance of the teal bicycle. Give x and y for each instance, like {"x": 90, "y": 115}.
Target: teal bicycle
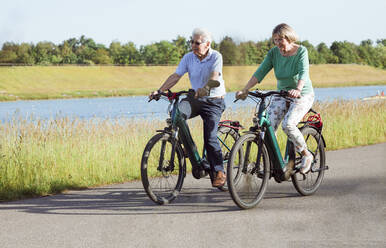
{"x": 163, "y": 164}
{"x": 261, "y": 159}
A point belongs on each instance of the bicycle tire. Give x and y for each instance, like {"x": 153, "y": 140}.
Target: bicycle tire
{"x": 309, "y": 183}
{"x": 228, "y": 137}
{"x": 248, "y": 187}
{"x": 162, "y": 183}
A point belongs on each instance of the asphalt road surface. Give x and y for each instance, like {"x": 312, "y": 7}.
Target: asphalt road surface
{"x": 349, "y": 210}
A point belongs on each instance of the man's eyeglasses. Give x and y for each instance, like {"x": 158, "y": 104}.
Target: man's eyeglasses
{"x": 196, "y": 42}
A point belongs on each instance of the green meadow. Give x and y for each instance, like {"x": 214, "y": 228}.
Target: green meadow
{"x": 42, "y": 157}
{"x": 51, "y": 82}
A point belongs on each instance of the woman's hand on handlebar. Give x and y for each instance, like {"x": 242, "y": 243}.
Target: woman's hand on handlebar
{"x": 295, "y": 93}
{"x": 242, "y": 94}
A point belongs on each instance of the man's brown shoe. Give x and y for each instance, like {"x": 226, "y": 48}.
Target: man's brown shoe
{"x": 219, "y": 180}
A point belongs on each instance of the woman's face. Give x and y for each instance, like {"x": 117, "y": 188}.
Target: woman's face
{"x": 199, "y": 47}
{"x": 282, "y": 43}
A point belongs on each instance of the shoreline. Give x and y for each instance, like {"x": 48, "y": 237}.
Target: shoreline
{"x": 141, "y": 92}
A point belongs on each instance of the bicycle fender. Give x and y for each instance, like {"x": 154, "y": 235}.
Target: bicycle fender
{"x": 164, "y": 131}
{"x": 318, "y": 130}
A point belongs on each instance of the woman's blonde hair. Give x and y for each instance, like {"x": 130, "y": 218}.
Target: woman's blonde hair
{"x": 285, "y": 31}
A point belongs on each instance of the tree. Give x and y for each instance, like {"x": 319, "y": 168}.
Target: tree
{"x": 127, "y": 54}
{"x": 326, "y": 55}
{"x": 313, "y": 55}
{"x": 262, "y": 49}
{"x": 8, "y": 53}
{"x": 131, "y": 54}
{"x": 161, "y": 53}
{"x": 67, "y": 52}
{"x": 46, "y": 53}
{"x": 182, "y": 46}
{"x": 229, "y": 51}
{"x": 248, "y": 53}
{"x": 24, "y": 54}
{"x": 345, "y": 51}
{"x": 102, "y": 56}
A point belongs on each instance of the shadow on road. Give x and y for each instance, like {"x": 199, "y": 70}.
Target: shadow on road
{"x": 131, "y": 199}
{"x": 128, "y": 199}
{"x": 123, "y": 200}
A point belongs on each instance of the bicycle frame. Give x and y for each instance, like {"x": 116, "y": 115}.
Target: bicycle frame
{"x": 178, "y": 127}
{"x": 178, "y": 124}
{"x": 269, "y": 137}
{"x": 267, "y": 133}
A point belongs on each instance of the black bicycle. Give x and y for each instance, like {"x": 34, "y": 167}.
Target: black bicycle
{"x": 163, "y": 165}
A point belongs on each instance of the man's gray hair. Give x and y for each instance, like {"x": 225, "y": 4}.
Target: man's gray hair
{"x": 206, "y": 36}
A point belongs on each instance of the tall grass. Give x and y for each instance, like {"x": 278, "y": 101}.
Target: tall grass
{"x": 44, "y": 82}
{"x": 40, "y": 157}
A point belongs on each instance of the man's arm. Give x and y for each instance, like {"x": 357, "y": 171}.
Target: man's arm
{"x": 170, "y": 82}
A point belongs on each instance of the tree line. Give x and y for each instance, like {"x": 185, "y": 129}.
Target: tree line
{"x": 86, "y": 51}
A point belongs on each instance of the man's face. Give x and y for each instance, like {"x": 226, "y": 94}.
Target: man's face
{"x": 199, "y": 47}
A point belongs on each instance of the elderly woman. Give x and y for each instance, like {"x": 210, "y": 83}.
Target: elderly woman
{"x": 203, "y": 64}
{"x": 291, "y": 67}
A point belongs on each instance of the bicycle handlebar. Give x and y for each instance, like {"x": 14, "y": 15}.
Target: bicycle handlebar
{"x": 260, "y": 94}
{"x": 171, "y": 95}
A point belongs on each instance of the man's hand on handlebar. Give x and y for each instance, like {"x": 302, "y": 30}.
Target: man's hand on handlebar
{"x": 155, "y": 95}
{"x": 242, "y": 94}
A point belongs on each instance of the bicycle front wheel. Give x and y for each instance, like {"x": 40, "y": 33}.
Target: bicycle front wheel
{"x": 248, "y": 177}
{"x": 162, "y": 171}
{"x": 308, "y": 184}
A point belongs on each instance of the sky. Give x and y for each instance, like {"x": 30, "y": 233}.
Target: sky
{"x": 147, "y": 21}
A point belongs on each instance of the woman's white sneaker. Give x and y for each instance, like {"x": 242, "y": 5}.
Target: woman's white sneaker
{"x": 306, "y": 163}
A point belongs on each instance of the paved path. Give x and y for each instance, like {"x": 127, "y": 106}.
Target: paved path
{"x": 349, "y": 210}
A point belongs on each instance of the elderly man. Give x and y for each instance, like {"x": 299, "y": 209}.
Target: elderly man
{"x": 203, "y": 65}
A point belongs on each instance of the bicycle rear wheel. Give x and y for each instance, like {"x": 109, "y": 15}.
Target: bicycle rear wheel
{"x": 162, "y": 173}
{"x": 227, "y": 138}
{"x": 308, "y": 184}
{"x": 247, "y": 177}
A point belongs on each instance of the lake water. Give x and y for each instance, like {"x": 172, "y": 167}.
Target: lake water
{"x": 138, "y": 106}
